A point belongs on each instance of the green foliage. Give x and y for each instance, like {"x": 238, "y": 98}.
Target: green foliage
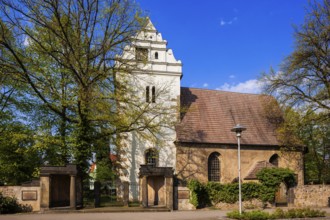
{"x": 18, "y": 159}
{"x": 273, "y": 177}
{"x": 199, "y": 196}
{"x": 70, "y": 72}
{"x": 9, "y": 205}
{"x": 222, "y": 192}
{"x": 204, "y": 194}
{"x": 298, "y": 213}
{"x": 277, "y": 214}
{"x": 104, "y": 170}
{"x": 301, "y": 86}
{"x": 315, "y": 136}
{"x": 270, "y": 178}
{"x": 303, "y": 79}
{"x": 251, "y": 191}
{"x": 253, "y": 215}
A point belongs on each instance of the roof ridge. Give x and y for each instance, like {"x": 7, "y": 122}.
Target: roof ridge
{"x": 217, "y": 90}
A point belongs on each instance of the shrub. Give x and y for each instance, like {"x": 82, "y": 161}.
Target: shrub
{"x": 298, "y": 213}
{"x": 277, "y": 214}
{"x": 270, "y": 178}
{"x": 204, "y": 194}
{"x": 251, "y": 191}
{"x": 253, "y": 215}
{"x": 199, "y": 195}
{"x": 9, "y": 205}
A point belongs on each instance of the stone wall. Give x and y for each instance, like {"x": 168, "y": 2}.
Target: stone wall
{"x": 182, "y": 194}
{"x": 25, "y": 195}
{"x": 192, "y": 161}
{"x": 311, "y": 196}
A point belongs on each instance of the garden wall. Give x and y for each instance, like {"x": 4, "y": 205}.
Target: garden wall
{"x": 311, "y": 196}
{"x": 25, "y": 195}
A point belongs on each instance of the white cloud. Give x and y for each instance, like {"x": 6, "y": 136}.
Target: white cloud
{"x": 232, "y": 76}
{"x": 223, "y": 22}
{"x": 250, "y": 86}
{"x": 205, "y": 85}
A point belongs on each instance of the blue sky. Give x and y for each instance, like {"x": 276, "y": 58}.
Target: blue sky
{"x": 227, "y": 44}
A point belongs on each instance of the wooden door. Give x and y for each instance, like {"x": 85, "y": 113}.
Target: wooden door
{"x": 60, "y": 190}
{"x": 156, "y": 191}
{"x": 281, "y": 195}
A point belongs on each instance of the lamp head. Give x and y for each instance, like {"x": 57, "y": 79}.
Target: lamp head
{"x": 238, "y": 129}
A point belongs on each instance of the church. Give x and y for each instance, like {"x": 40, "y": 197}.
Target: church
{"x": 199, "y": 144}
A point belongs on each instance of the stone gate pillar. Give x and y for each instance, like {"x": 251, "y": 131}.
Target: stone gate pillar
{"x": 44, "y": 192}
{"x": 143, "y": 191}
{"x": 169, "y": 192}
{"x": 73, "y": 192}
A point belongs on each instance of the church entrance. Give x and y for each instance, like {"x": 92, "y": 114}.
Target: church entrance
{"x": 156, "y": 191}
{"x": 156, "y": 186}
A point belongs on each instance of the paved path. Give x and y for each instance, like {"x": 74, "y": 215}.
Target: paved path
{"x": 177, "y": 215}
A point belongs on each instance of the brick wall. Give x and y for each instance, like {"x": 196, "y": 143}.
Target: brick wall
{"x": 311, "y": 196}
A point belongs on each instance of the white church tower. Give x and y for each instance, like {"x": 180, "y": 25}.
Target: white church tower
{"x": 149, "y": 166}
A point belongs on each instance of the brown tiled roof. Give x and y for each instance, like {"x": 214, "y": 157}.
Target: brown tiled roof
{"x": 209, "y": 115}
{"x": 257, "y": 167}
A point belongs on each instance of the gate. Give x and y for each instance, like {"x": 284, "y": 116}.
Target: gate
{"x": 281, "y": 198}
{"x": 60, "y": 190}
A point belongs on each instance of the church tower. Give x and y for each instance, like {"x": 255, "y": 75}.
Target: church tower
{"x": 149, "y": 164}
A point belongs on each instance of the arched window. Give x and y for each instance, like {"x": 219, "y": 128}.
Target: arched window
{"x": 147, "y": 94}
{"x": 151, "y": 156}
{"x": 214, "y": 167}
{"x": 156, "y": 55}
{"x": 153, "y": 90}
{"x": 274, "y": 160}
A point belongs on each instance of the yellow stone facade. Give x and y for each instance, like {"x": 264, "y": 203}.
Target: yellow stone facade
{"x": 192, "y": 161}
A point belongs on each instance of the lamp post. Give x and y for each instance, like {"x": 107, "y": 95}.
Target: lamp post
{"x": 238, "y": 130}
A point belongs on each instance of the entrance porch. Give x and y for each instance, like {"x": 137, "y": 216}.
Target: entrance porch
{"x": 156, "y": 184}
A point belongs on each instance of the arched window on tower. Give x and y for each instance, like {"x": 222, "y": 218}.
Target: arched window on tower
{"x": 214, "y": 167}
{"x": 151, "y": 156}
{"x": 156, "y": 55}
{"x": 274, "y": 160}
{"x": 147, "y": 94}
{"x": 153, "y": 90}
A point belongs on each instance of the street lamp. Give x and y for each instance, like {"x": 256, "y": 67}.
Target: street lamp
{"x": 238, "y": 130}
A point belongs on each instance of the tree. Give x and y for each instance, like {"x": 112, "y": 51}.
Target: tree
{"x": 316, "y": 137}
{"x": 304, "y": 78}
{"x": 64, "y": 54}
{"x": 18, "y": 160}
{"x": 302, "y": 87}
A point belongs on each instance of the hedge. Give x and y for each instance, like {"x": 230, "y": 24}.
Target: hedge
{"x": 213, "y": 192}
